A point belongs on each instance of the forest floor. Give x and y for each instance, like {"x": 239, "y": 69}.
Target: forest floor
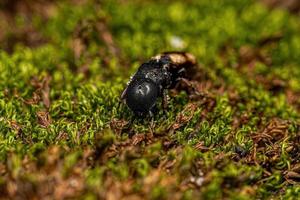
{"x": 233, "y": 133}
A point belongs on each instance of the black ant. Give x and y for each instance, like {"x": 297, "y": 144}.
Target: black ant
{"x": 153, "y": 78}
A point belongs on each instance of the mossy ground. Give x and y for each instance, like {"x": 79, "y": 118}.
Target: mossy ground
{"x": 63, "y": 134}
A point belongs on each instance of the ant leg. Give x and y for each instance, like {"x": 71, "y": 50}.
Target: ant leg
{"x": 123, "y": 94}
{"x": 165, "y": 101}
{"x": 151, "y": 114}
{"x": 129, "y": 128}
{"x": 184, "y": 80}
{"x": 122, "y": 98}
{"x": 181, "y": 72}
{"x": 189, "y": 84}
{"x": 151, "y": 122}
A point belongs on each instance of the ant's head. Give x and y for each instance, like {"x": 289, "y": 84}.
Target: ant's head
{"x": 141, "y": 96}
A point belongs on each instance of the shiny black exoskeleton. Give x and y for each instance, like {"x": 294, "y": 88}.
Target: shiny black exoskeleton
{"x": 153, "y": 78}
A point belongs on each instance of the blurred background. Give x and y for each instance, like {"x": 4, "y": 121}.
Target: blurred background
{"x": 18, "y": 18}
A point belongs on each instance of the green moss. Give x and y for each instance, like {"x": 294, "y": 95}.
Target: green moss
{"x": 61, "y": 117}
